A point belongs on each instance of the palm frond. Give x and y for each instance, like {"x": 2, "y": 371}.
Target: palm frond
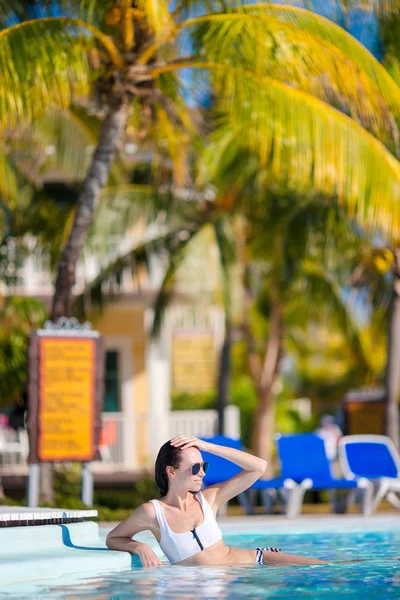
{"x": 69, "y": 141}
{"x": 8, "y": 179}
{"x": 236, "y": 40}
{"x": 167, "y": 288}
{"x": 158, "y": 17}
{"x": 44, "y": 64}
{"x": 328, "y": 297}
{"x": 186, "y": 9}
{"x": 173, "y": 142}
{"x": 121, "y": 208}
{"x": 166, "y": 243}
{"x": 18, "y": 11}
{"x": 325, "y": 29}
{"x": 225, "y": 240}
{"x": 305, "y": 145}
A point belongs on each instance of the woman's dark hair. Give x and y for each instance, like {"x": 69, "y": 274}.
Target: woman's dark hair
{"x": 167, "y": 456}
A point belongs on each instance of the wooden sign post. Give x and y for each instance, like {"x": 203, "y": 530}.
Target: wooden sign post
{"x": 66, "y": 390}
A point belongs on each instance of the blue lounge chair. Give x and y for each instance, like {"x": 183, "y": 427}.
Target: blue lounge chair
{"x": 374, "y": 457}
{"x": 303, "y": 459}
{"x": 222, "y": 469}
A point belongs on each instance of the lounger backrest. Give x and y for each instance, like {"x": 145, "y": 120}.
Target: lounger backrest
{"x": 370, "y": 456}
{"x": 302, "y": 456}
{"x": 220, "y": 469}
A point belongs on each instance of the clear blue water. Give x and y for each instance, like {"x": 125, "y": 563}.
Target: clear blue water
{"x": 377, "y": 577}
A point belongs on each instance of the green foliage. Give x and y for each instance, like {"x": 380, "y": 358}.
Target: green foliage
{"x": 67, "y": 483}
{"x": 49, "y": 217}
{"x": 389, "y": 28}
{"x": 189, "y": 401}
{"x": 112, "y": 505}
{"x": 7, "y": 501}
{"x": 18, "y": 318}
{"x": 244, "y": 396}
{"x": 141, "y": 491}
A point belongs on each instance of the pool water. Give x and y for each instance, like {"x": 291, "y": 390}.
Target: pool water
{"x": 377, "y": 577}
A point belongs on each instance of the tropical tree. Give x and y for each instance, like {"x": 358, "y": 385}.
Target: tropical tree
{"x": 378, "y": 274}
{"x": 130, "y": 55}
{"x": 303, "y": 122}
{"x": 296, "y": 262}
{"x": 289, "y": 253}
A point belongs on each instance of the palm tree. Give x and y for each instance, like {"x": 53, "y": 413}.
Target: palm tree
{"x": 125, "y": 61}
{"x": 284, "y": 258}
{"x": 378, "y": 272}
{"x": 129, "y": 55}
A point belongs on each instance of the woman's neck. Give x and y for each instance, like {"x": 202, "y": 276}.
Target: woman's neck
{"x": 180, "y": 499}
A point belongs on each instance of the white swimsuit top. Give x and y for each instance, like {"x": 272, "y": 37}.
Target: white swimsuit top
{"x": 179, "y": 546}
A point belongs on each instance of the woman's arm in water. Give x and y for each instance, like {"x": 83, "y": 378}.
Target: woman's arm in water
{"x": 120, "y": 538}
{"x": 253, "y": 467}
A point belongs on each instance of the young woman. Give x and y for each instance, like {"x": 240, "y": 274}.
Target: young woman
{"x": 183, "y": 519}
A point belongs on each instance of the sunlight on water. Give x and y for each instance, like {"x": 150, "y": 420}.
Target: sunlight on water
{"x": 377, "y": 577}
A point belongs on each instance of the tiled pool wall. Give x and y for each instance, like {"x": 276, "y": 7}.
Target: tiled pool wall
{"x": 44, "y": 551}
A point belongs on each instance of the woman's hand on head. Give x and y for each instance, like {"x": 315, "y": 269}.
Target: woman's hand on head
{"x": 188, "y": 441}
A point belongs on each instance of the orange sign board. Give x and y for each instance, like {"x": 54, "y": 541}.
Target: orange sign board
{"x": 193, "y": 363}
{"x": 66, "y": 399}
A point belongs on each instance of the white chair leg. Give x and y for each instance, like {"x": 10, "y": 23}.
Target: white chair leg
{"x": 393, "y": 499}
{"x": 295, "y": 501}
{"x": 380, "y": 494}
{"x": 366, "y": 501}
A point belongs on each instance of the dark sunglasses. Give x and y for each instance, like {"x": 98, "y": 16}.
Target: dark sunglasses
{"x": 197, "y": 466}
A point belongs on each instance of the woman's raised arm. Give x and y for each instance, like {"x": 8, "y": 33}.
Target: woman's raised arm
{"x": 219, "y": 493}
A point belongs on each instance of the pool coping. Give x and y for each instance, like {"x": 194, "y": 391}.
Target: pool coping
{"x": 21, "y": 516}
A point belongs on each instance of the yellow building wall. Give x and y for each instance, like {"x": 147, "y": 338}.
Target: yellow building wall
{"x": 128, "y": 320}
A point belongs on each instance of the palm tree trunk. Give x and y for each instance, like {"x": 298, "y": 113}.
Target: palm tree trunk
{"x": 95, "y": 181}
{"x": 224, "y": 376}
{"x": 264, "y": 426}
{"x": 393, "y": 359}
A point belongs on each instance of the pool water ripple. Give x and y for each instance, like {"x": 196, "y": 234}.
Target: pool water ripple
{"x": 377, "y": 577}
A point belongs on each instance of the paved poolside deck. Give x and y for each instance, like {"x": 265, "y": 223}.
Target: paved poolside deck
{"x": 277, "y": 524}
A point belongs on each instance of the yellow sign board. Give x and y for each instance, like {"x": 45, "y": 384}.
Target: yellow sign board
{"x": 66, "y": 398}
{"x": 193, "y": 363}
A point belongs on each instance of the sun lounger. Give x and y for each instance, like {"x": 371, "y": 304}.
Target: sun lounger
{"x": 303, "y": 460}
{"x": 375, "y": 458}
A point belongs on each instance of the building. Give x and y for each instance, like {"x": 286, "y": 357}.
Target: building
{"x": 139, "y": 371}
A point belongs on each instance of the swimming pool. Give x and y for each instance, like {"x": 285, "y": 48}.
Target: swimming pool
{"x": 376, "y": 540}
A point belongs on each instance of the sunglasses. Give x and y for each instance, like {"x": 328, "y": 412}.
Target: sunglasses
{"x": 197, "y": 466}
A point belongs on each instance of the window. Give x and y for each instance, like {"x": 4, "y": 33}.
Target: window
{"x": 111, "y": 393}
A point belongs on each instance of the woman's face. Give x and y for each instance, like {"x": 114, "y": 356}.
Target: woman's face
{"x": 182, "y": 476}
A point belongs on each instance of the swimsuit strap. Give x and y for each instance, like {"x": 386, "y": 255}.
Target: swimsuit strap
{"x": 160, "y": 515}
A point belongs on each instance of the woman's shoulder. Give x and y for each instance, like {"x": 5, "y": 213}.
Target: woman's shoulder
{"x": 145, "y": 510}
